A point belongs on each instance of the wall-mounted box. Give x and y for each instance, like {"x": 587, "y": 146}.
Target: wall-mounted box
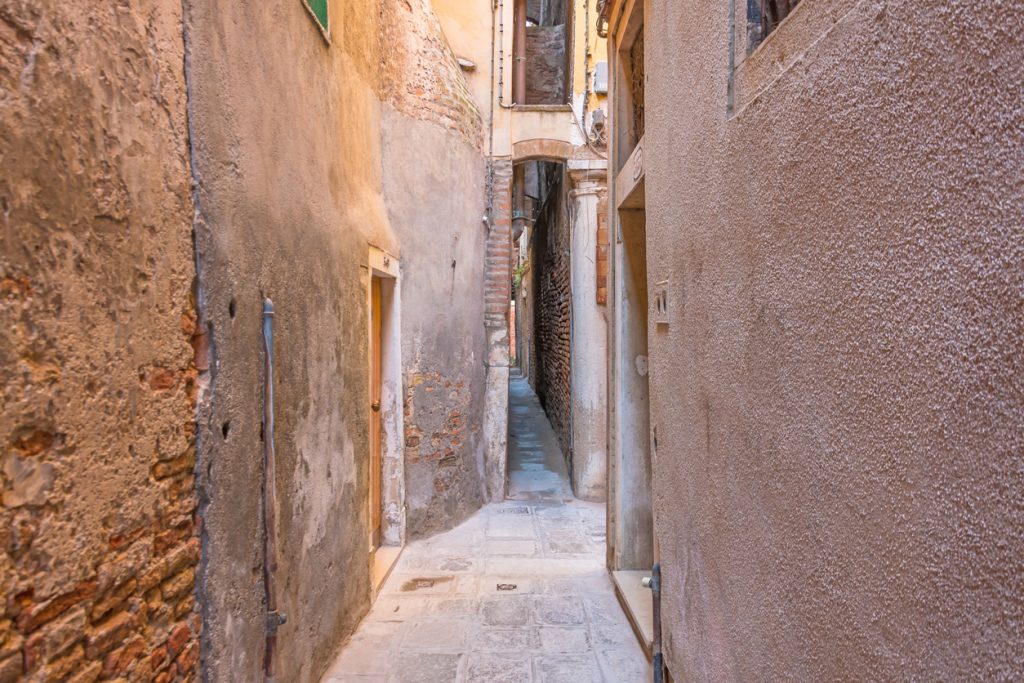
{"x": 660, "y": 303}
{"x": 601, "y": 78}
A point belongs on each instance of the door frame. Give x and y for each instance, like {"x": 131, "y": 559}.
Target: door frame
{"x": 385, "y": 268}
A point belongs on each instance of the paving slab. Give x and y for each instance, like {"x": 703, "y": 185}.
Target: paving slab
{"x": 518, "y": 593}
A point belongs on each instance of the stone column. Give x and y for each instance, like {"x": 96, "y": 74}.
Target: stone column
{"x": 589, "y": 370}
{"x": 497, "y": 293}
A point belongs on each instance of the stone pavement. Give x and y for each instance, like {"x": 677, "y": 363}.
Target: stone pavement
{"x": 516, "y": 594}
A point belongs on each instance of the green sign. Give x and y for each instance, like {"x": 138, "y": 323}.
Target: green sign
{"x": 318, "y": 8}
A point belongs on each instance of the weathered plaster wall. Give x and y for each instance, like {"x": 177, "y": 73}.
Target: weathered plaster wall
{"x": 294, "y": 142}
{"x": 287, "y": 159}
{"x": 95, "y": 362}
{"x": 436, "y": 209}
{"x": 837, "y": 400}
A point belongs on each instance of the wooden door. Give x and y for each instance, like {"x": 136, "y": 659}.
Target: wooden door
{"x": 376, "y": 332}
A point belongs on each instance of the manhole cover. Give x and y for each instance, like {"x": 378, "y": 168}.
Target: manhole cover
{"x": 515, "y": 511}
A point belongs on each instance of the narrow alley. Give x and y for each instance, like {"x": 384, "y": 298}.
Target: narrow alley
{"x": 518, "y": 593}
{"x": 511, "y": 341}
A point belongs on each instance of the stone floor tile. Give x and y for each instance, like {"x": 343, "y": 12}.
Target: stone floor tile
{"x": 514, "y": 547}
{"x": 424, "y": 667}
{"x": 603, "y": 609}
{"x": 568, "y": 640}
{"x": 362, "y": 656}
{"x": 455, "y": 606}
{"x": 506, "y": 610}
{"x": 560, "y": 586}
{"x": 435, "y": 634}
{"x": 568, "y": 669}
{"x": 597, "y": 583}
{"x": 491, "y": 668}
{"x": 559, "y": 610}
{"x": 511, "y": 526}
{"x": 393, "y": 608}
{"x": 612, "y": 637}
{"x": 508, "y": 640}
{"x": 625, "y": 666}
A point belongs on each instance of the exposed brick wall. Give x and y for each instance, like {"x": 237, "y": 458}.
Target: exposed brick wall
{"x": 440, "y": 425}
{"x": 545, "y": 64}
{"x": 421, "y": 76}
{"x": 97, "y": 564}
{"x": 498, "y": 265}
{"x": 552, "y": 312}
{"x": 602, "y": 249}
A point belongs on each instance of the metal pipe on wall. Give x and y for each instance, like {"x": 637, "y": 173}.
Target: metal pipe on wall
{"x": 658, "y": 657}
{"x": 273, "y": 618}
{"x": 519, "y": 53}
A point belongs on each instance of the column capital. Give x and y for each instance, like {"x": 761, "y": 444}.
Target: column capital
{"x": 588, "y": 176}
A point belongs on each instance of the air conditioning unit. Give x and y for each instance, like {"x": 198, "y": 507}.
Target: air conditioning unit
{"x": 601, "y": 78}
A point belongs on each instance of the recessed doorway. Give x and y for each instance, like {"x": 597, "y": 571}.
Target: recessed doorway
{"x": 386, "y": 466}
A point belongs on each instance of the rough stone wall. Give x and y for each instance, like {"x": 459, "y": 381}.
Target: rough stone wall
{"x": 545, "y": 64}
{"x": 553, "y": 314}
{"x": 97, "y": 565}
{"x": 837, "y": 397}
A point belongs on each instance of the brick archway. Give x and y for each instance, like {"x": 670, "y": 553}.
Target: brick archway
{"x": 542, "y": 148}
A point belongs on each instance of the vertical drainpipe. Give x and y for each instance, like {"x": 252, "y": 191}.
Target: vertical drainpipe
{"x": 519, "y": 53}
{"x": 273, "y": 618}
{"x": 654, "y": 583}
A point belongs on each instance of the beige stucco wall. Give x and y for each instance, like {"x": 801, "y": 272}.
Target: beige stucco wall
{"x": 837, "y": 400}
{"x": 96, "y": 496}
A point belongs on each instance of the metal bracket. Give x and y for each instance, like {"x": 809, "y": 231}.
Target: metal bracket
{"x": 274, "y": 621}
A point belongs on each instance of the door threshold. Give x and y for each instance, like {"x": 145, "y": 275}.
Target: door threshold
{"x": 384, "y": 560}
{"x": 638, "y": 603}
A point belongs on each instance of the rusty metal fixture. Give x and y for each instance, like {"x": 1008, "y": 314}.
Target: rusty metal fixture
{"x": 274, "y": 619}
{"x": 602, "y": 18}
{"x": 654, "y": 583}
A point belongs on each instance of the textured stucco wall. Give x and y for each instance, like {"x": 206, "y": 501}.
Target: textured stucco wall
{"x": 838, "y": 399}
{"x": 96, "y": 271}
{"x": 292, "y": 141}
